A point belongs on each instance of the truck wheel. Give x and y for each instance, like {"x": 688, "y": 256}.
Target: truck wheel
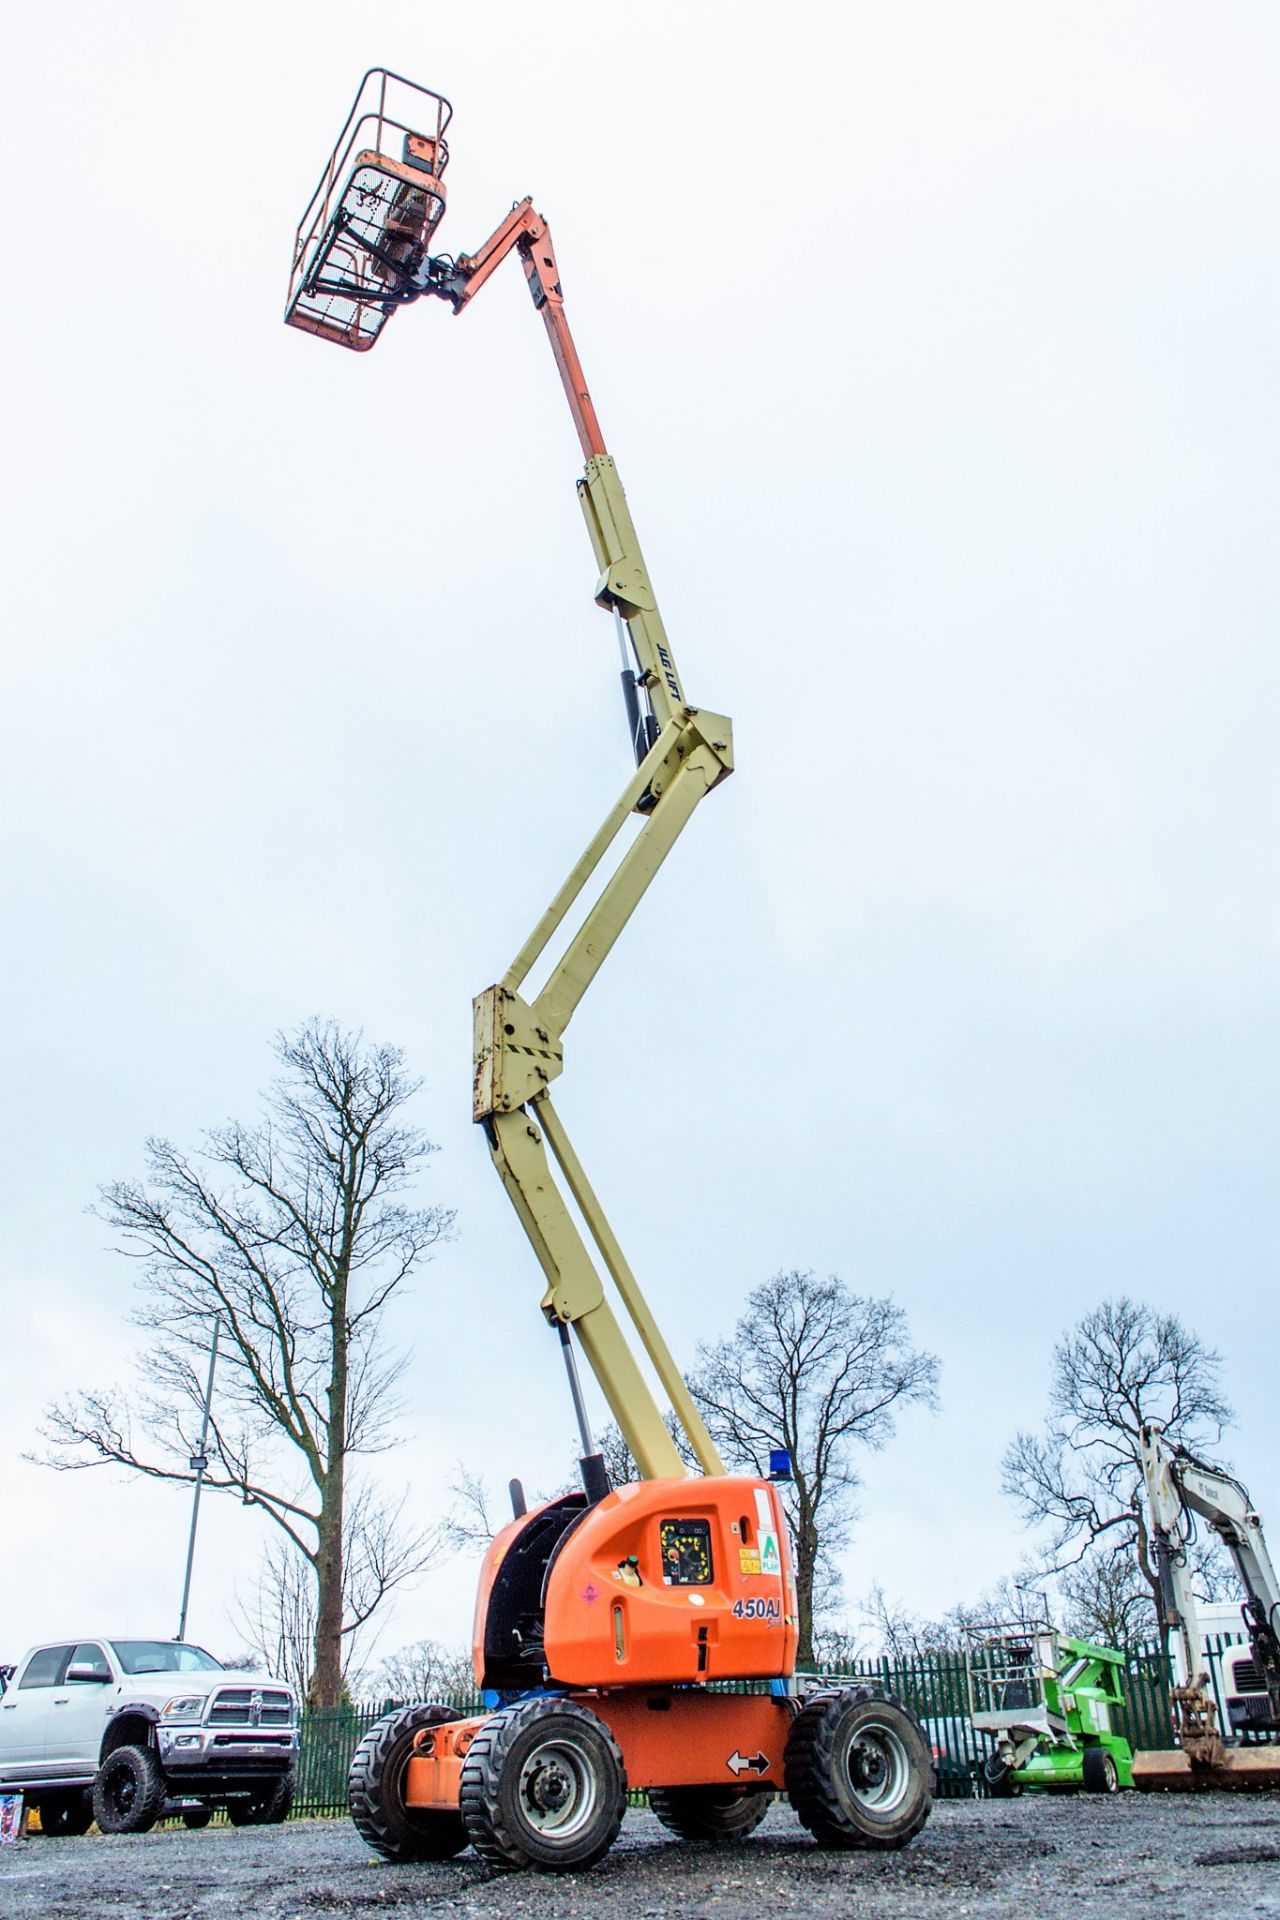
{"x": 129, "y": 1792}
{"x": 543, "y": 1785}
{"x": 375, "y": 1791}
{"x": 710, "y": 1813}
{"x": 858, "y": 1769}
{"x": 999, "y": 1779}
{"x": 196, "y": 1818}
{"x": 64, "y": 1814}
{"x": 266, "y": 1806}
{"x": 1100, "y": 1772}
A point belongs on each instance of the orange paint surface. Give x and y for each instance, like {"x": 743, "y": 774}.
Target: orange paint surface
{"x": 432, "y": 1776}
{"x": 616, "y": 1616}
{"x": 697, "y": 1739}
{"x": 667, "y": 1739}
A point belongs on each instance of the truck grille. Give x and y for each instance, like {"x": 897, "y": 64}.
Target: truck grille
{"x": 240, "y": 1738}
{"x": 251, "y": 1707}
{"x": 1246, "y": 1676}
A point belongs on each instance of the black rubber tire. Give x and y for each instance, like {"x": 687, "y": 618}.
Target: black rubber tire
{"x": 710, "y": 1813}
{"x": 196, "y": 1818}
{"x": 267, "y": 1806}
{"x": 64, "y": 1815}
{"x": 999, "y": 1780}
{"x": 858, "y": 1769}
{"x": 129, "y": 1792}
{"x": 374, "y": 1793}
{"x": 1100, "y": 1772}
{"x": 517, "y": 1768}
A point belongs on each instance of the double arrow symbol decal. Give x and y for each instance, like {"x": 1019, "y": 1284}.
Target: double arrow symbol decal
{"x": 739, "y": 1763}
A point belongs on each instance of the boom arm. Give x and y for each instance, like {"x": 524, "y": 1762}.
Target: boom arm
{"x": 623, "y": 586}
{"x": 1178, "y": 1484}
{"x": 682, "y": 753}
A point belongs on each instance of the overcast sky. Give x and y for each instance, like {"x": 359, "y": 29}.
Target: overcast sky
{"x": 937, "y": 348}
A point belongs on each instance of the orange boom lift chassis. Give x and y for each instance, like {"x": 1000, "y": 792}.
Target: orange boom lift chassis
{"x": 608, "y": 1620}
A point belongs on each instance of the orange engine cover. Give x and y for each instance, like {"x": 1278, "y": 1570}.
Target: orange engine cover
{"x": 671, "y": 1581}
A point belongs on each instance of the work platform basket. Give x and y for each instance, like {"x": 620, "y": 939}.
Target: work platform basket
{"x": 366, "y": 231}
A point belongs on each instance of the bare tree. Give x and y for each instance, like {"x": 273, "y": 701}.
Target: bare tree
{"x": 835, "y": 1648}
{"x": 616, "y": 1454}
{"x": 897, "y": 1633}
{"x": 821, "y": 1371}
{"x": 278, "y": 1623}
{"x": 903, "y": 1635}
{"x": 1106, "y": 1599}
{"x": 295, "y": 1231}
{"x": 427, "y": 1670}
{"x": 469, "y": 1522}
{"x": 1081, "y": 1477}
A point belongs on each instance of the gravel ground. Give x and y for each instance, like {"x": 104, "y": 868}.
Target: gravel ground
{"x": 1138, "y": 1857}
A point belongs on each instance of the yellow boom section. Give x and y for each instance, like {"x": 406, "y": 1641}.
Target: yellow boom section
{"x": 519, "y": 1043}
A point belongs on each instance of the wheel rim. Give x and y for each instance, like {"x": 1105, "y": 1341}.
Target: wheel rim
{"x": 557, "y": 1788}
{"x": 877, "y": 1769}
{"x": 122, "y": 1791}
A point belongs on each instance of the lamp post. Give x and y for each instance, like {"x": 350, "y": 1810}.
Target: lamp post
{"x": 198, "y": 1462}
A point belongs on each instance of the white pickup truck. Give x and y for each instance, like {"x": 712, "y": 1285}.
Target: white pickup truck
{"x": 121, "y": 1731}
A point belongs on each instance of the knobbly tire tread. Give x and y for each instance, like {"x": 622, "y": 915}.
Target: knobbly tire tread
{"x": 395, "y": 1831}
{"x": 267, "y": 1806}
{"x": 808, "y": 1770}
{"x": 480, "y": 1789}
{"x": 999, "y": 1781}
{"x": 492, "y": 1844}
{"x": 1097, "y": 1775}
{"x": 66, "y": 1815}
{"x": 710, "y": 1813}
{"x": 152, "y": 1791}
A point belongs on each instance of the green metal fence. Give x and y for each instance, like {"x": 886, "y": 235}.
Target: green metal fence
{"x": 1146, "y": 1718}
{"x": 933, "y": 1686}
{"x": 328, "y": 1741}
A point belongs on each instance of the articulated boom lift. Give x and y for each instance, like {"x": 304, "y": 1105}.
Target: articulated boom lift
{"x": 1178, "y": 1487}
{"x": 604, "y": 1618}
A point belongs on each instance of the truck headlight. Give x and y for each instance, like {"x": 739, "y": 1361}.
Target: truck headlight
{"x": 183, "y": 1706}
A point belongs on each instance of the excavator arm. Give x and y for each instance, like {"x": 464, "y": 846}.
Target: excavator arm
{"x": 1178, "y": 1486}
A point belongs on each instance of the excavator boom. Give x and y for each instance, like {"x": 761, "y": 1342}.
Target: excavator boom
{"x": 1178, "y": 1486}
